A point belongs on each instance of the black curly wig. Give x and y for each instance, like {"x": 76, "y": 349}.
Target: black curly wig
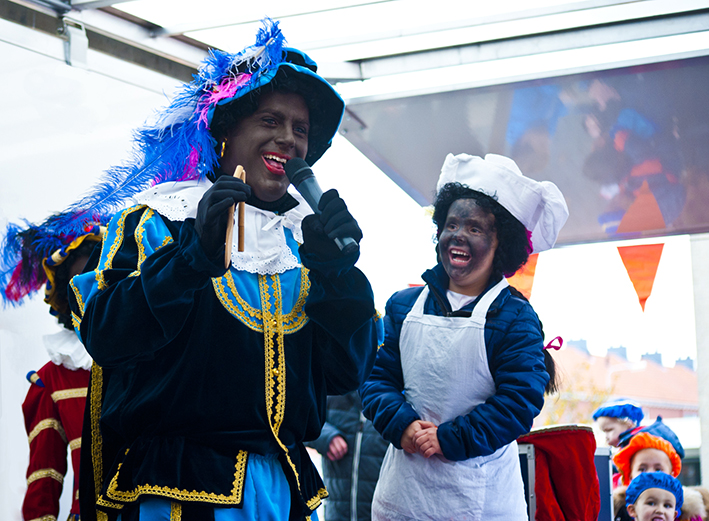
{"x": 514, "y": 245}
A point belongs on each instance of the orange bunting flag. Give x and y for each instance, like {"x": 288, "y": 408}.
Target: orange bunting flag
{"x": 644, "y": 214}
{"x": 641, "y": 263}
{"x": 524, "y": 278}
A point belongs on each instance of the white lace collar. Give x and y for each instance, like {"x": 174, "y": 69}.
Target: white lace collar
{"x": 265, "y": 249}
{"x": 65, "y": 348}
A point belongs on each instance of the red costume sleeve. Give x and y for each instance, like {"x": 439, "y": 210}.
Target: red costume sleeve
{"x": 53, "y": 418}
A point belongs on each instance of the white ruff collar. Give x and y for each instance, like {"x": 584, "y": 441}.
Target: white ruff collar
{"x": 265, "y": 249}
{"x": 65, "y": 348}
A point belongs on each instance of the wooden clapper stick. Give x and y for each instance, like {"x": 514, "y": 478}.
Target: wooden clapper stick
{"x": 241, "y": 174}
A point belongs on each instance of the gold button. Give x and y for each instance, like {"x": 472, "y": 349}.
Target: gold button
{"x": 275, "y": 372}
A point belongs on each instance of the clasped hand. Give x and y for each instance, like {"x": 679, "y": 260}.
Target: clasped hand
{"x": 422, "y": 437}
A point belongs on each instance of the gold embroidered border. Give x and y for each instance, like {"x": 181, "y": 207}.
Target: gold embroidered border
{"x": 184, "y": 495}
{"x": 275, "y": 376}
{"x": 75, "y": 320}
{"x": 139, "y": 235}
{"x": 96, "y": 405}
{"x": 49, "y": 423}
{"x": 45, "y": 518}
{"x": 79, "y": 299}
{"x": 175, "y": 511}
{"x": 297, "y": 318}
{"x": 75, "y": 444}
{"x": 253, "y": 317}
{"x": 273, "y": 326}
{"x": 315, "y": 501}
{"x": 45, "y": 473}
{"x": 79, "y": 392}
{"x": 226, "y": 301}
{"x": 120, "y": 231}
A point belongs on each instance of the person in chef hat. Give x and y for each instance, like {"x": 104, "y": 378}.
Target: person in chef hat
{"x": 463, "y": 369}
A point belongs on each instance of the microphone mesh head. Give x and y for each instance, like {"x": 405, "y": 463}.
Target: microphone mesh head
{"x": 297, "y": 170}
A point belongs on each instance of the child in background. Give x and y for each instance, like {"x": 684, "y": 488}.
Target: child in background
{"x": 654, "y": 496}
{"x": 649, "y": 453}
{"x": 616, "y": 417}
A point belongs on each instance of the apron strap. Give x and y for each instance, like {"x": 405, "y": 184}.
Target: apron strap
{"x": 417, "y": 309}
{"x": 480, "y": 310}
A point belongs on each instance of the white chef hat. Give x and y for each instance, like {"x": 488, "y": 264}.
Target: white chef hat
{"x": 538, "y": 205}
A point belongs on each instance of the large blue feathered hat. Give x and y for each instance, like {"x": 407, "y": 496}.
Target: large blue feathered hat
{"x": 180, "y": 144}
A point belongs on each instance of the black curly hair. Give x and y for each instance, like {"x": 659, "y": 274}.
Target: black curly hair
{"x": 514, "y": 245}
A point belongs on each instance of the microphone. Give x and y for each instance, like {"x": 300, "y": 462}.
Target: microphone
{"x": 303, "y": 179}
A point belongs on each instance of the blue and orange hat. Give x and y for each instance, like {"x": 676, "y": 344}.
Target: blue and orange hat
{"x": 644, "y": 440}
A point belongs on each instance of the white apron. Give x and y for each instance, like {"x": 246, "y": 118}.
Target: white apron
{"x": 446, "y": 374}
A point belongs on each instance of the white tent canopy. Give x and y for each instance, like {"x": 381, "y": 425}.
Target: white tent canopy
{"x": 79, "y": 75}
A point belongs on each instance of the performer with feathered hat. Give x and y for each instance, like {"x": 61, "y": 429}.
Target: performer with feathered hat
{"x": 32, "y": 257}
{"x": 210, "y": 378}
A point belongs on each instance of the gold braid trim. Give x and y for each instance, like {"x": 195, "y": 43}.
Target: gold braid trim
{"x": 315, "y": 501}
{"x": 45, "y": 518}
{"x": 247, "y": 315}
{"x": 49, "y": 423}
{"x": 275, "y": 376}
{"x": 253, "y": 317}
{"x": 75, "y": 444}
{"x": 175, "y": 511}
{"x": 280, "y": 371}
{"x": 79, "y": 300}
{"x": 66, "y": 394}
{"x": 96, "y": 405}
{"x": 184, "y": 495}
{"x": 297, "y": 318}
{"x": 139, "y": 233}
{"x": 120, "y": 231}
{"x": 45, "y": 473}
{"x": 76, "y": 320}
{"x": 167, "y": 240}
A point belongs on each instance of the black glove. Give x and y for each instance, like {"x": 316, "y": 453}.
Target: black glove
{"x": 319, "y": 231}
{"x": 212, "y": 212}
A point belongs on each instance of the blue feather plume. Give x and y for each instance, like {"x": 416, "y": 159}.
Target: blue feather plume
{"x": 178, "y": 146}
{"x": 22, "y": 250}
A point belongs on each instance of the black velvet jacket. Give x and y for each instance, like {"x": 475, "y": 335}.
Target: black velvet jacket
{"x": 197, "y": 368}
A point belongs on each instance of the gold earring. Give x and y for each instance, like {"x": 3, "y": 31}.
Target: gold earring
{"x": 221, "y": 154}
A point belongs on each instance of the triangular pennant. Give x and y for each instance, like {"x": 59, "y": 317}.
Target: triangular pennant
{"x": 641, "y": 263}
{"x": 523, "y": 280}
{"x": 644, "y": 214}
